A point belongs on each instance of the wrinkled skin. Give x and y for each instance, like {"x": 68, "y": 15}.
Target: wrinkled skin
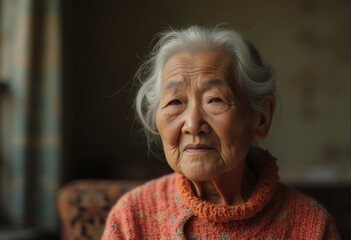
{"x": 207, "y": 124}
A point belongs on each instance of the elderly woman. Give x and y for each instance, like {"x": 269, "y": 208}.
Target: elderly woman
{"x": 207, "y": 96}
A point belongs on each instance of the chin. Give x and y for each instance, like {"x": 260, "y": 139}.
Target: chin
{"x": 200, "y": 168}
{"x": 199, "y": 176}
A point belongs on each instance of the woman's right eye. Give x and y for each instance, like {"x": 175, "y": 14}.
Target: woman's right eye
{"x": 215, "y": 100}
{"x": 174, "y": 102}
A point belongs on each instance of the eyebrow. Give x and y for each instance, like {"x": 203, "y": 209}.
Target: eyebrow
{"x": 174, "y": 84}
{"x": 209, "y": 82}
{"x": 215, "y": 82}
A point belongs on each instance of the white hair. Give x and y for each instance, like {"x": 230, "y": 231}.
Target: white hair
{"x": 253, "y": 76}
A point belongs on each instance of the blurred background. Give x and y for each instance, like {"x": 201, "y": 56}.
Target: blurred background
{"x": 66, "y": 72}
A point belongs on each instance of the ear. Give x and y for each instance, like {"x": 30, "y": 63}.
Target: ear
{"x": 263, "y": 124}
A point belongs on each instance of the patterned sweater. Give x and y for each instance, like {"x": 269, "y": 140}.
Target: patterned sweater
{"x": 167, "y": 208}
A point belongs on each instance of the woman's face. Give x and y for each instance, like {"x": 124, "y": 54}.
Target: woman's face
{"x": 205, "y": 121}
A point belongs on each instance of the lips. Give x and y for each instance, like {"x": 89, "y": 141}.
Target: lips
{"x": 197, "y": 148}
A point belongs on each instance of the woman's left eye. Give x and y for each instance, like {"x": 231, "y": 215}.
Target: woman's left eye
{"x": 175, "y": 102}
{"x": 215, "y": 100}
{"x": 217, "y": 105}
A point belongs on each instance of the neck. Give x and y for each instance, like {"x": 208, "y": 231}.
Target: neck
{"x": 230, "y": 188}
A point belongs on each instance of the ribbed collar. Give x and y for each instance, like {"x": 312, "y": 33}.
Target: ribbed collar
{"x": 260, "y": 197}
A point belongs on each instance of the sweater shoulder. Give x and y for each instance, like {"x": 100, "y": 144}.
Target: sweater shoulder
{"x": 309, "y": 217}
{"x": 293, "y": 197}
{"x": 154, "y": 191}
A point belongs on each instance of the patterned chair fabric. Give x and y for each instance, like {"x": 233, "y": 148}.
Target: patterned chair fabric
{"x": 83, "y": 206}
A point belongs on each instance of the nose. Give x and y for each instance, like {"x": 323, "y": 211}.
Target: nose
{"x": 194, "y": 122}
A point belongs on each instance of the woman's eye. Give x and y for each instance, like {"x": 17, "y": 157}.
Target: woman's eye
{"x": 217, "y": 105}
{"x": 174, "y": 102}
{"x": 215, "y": 100}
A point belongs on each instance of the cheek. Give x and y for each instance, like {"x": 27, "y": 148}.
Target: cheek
{"x": 169, "y": 129}
{"x": 172, "y": 157}
{"x": 169, "y": 132}
{"x": 226, "y": 129}
{"x": 235, "y": 134}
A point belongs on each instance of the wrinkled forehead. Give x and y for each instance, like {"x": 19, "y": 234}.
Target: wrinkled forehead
{"x": 199, "y": 64}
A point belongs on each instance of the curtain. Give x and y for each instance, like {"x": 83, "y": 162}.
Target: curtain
{"x": 30, "y": 113}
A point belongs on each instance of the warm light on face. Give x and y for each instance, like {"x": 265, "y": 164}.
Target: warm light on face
{"x": 205, "y": 123}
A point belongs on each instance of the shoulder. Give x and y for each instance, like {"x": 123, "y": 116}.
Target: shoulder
{"x": 148, "y": 196}
{"x": 306, "y": 214}
{"x": 157, "y": 188}
{"x": 301, "y": 203}
{"x": 137, "y": 212}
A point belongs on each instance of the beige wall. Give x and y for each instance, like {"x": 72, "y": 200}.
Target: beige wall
{"x": 308, "y": 44}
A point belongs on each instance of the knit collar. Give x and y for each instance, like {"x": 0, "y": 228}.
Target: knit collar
{"x": 260, "y": 197}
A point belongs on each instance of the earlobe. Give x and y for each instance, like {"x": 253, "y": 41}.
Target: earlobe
{"x": 267, "y": 107}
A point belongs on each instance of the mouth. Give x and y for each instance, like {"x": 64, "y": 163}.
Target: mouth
{"x": 197, "y": 148}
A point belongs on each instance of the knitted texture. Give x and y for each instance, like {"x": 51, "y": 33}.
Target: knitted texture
{"x": 167, "y": 208}
{"x": 261, "y": 195}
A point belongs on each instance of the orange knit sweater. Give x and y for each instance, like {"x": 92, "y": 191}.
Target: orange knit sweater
{"x": 167, "y": 208}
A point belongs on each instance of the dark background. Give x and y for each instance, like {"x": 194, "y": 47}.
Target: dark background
{"x": 103, "y": 44}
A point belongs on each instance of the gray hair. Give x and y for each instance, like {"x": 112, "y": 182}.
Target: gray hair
{"x": 253, "y": 76}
